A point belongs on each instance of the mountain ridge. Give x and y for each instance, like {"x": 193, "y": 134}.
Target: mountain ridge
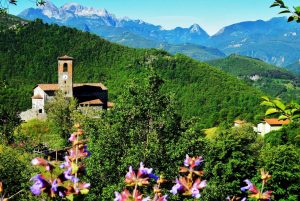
{"x": 273, "y": 41}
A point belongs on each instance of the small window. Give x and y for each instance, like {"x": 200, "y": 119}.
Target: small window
{"x": 40, "y": 111}
{"x": 65, "y": 67}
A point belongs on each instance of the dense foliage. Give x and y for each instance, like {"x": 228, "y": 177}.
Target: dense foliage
{"x": 28, "y": 56}
{"x": 162, "y": 104}
{"x": 273, "y": 80}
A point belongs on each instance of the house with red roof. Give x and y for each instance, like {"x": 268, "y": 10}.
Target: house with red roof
{"x": 271, "y": 124}
{"x": 94, "y": 95}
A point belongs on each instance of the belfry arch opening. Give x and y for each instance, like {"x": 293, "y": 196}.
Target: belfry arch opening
{"x": 65, "y": 67}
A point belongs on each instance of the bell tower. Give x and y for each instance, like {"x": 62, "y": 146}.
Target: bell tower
{"x": 65, "y": 75}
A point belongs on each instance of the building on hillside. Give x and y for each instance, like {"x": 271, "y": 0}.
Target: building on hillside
{"x": 238, "y": 123}
{"x": 94, "y": 95}
{"x": 269, "y": 125}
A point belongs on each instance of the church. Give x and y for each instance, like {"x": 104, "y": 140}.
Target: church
{"x": 93, "y": 95}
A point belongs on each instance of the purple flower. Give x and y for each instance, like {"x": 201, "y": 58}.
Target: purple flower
{"x": 118, "y": 196}
{"x": 249, "y": 186}
{"x": 69, "y": 176}
{"x": 39, "y": 184}
{"x": 54, "y": 186}
{"x": 192, "y": 162}
{"x": 177, "y": 187}
{"x": 66, "y": 164}
{"x": 143, "y": 170}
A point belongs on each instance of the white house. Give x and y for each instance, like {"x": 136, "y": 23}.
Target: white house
{"x": 269, "y": 125}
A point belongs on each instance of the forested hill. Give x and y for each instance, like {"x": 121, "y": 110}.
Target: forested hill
{"x": 28, "y": 55}
{"x": 266, "y": 77}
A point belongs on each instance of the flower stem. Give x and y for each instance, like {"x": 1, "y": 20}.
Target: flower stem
{"x": 76, "y": 161}
{"x": 15, "y": 194}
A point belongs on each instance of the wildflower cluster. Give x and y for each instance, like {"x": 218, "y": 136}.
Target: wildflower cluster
{"x": 191, "y": 183}
{"x": 66, "y": 182}
{"x": 141, "y": 178}
{"x": 254, "y": 192}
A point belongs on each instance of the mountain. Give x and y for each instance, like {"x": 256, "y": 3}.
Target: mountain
{"x": 197, "y": 52}
{"x": 78, "y": 16}
{"x": 273, "y": 80}
{"x": 274, "y": 41}
{"x": 29, "y": 56}
{"x": 295, "y": 67}
{"x": 125, "y": 31}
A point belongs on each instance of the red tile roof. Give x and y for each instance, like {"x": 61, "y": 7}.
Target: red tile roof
{"x": 49, "y": 87}
{"x": 92, "y": 102}
{"x": 239, "y": 121}
{"x": 54, "y": 87}
{"x": 275, "y": 121}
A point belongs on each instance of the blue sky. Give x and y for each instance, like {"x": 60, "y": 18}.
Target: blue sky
{"x": 211, "y": 15}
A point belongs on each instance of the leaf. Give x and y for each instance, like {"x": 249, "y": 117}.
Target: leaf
{"x": 291, "y": 18}
{"x": 84, "y": 191}
{"x": 297, "y": 9}
{"x": 285, "y": 11}
{"x": 274, "y": 5}
{"x": 282, "y": 117}
{"x": 279, "y": 104}
{"x": 70, "y": 197}
{"x": 268, "y": 103}
{"x": 266, "y": 98}
{"x": 297, "y": 116}
{"x": 271, "y": 111}
{"x": 74, "y": 168}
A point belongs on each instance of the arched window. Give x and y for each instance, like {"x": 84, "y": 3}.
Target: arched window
{"x": 65, "y": 67}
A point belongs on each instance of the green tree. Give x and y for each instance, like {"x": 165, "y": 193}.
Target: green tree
{"x": 140, "y": 128}
{"x": 8, "y": 121}
{"x": 15, "y": 170}
{"x": 59, "y": 114}
{"x": 283, "y": 163}
{"x": 231, "y": 158}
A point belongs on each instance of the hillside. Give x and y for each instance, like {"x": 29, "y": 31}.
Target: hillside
{"x": 9, "y": 20}
{"x": 295, "y": 68}
{"x": 29, "y": 56}
{"x": 268, "y": 78}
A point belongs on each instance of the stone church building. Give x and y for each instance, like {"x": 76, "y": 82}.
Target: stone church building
{"x": 93, "y": 95}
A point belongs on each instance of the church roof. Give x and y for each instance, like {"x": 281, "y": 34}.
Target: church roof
{"x": 55, "y": 87}
{"x": 49, "y": 87}
{"x": 92, "y": 102}
{"x": 66, "y": 57}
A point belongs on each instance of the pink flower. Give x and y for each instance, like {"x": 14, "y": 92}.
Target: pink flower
{"x": 192, "y": 162}
{"x": 42, "y": 162}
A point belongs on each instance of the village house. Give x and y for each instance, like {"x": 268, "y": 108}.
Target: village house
{"x": 239, "y": 123}
{"x": 269, "y": 125}
{"x": 93, "y": 95}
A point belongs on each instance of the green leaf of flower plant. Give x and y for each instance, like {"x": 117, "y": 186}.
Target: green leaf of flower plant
{"x": 84, "y": 191}
{"x": 74, "y": 168}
